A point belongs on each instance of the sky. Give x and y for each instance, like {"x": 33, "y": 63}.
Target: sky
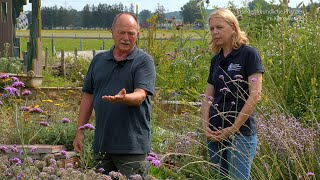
{"x": 169, "y": 5}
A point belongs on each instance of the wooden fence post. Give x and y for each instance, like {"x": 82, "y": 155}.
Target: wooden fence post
{"x": 63, "y": 63}
{"x": 80, "y": 44}
{"x": 94, "y": 53}
{"x": 103, "y": 44}
{"x": 46, "y": 57}
{"x": 52, "y": 46}
{"x": 75, "y": 52}
{"x": 25, "y": 64}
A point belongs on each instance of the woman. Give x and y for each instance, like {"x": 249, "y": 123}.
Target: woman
{"x": 233, "y": 90}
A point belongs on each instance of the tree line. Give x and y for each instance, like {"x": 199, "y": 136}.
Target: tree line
{"x": 101, "y": 15}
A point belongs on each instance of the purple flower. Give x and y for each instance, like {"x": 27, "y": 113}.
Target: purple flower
{"x": 63, "y": 152}
{"x": 26, "y": 92}
{"x": 15, "y": 160}
{"x": 14, "y": 149}
{"x": 225, "y": 90}
{"x": 152, "y": 154}
{"x": 135, "y": 177}
{"x": 36, "y": 110}
{"x": 310, "y": 174}
{"x": 18, "y": 84}
{"x": 174, "y": 93}
{"x": 191, "y": 134}
{"x": 254, "y": 79}
{"x": 87, "y": 126}
{"x": 14, "y": 79}
{"x": 12, "y": 91}
{"x": 45, "y": 124}
{"x": 33, "y": 149}
{"x": 238, "y": 76}
{"x": 3, "y": 149}
{"x": 221, "y": 77}
{"x": 24, "y": 108}
{"x": 101, "y": 170}
{"x": 4, "y": 76}
{"x": 150, "y": 158}
{"x": 65, "y": 120}
{"x": 1, "y": 103}
{"x": 20, "y": 176}
{"x": 156, "y": 163}
{"x": 210, "y": 98}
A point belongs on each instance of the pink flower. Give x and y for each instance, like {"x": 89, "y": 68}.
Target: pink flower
{"x": 310, "y": 174}
{"x": 65, "y": 120}
{"x": 18, "y": 84}
{"x": 26, "y": 92}
{"x": 45, "y": 124}
{"x": 87, "y": 126}
{"x": 36, "y": 110}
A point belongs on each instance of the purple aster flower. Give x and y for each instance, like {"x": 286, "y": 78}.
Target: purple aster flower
{"x": 3, "y": 149}
{"x": 191, "y": 134}
{"x": 101, "y": 170}
{"x": 14, "y": 79}
{"x": 33, "y": 149}
{"x": 45, "y": 124}
{"x": 150, "y": 158}
{"x": 210, "y": 98}
{"x": 18, "y": 84}
{"x": 156, "y": 163}
{"x": 63, "y": 152}
{"x": 202, "y": 95}
{"x": 225, "y": 90}
{"x": 65, "y": 120}
{"x": 254, "y": 79}
{"x": 221, "y": 77}
{"x": 4, "y": 76}
{"x": 310, "y": 174}
{"x": 15, "y": 160}
{"x": 238, "y": 76}
{"x": 26, "y": 92}
{"x": 14, "y": 149}
{"x": 87, "y": 126}
{"x": 152, "y": 154}
{"x": 136, "y": 177}
{"x": 24, "y": 108}
{"x": 12, "y": 91}
{"x": 36, "y": 110}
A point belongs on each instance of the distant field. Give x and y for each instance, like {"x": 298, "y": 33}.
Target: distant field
{"x": 69, "y": 44}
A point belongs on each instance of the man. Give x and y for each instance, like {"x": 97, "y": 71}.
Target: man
{"x": 118, "y": 86}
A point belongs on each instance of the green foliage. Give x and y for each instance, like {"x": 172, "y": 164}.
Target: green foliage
{"x": 11, "y": 65}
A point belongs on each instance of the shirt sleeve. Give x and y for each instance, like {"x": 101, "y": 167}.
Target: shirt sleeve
{"x": 253, "y": 62}
{"x": 145, "y": 75}
{"x": 88, "y": 82}
{"x": 210, "y": 80}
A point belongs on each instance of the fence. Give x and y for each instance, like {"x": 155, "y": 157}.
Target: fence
{"x": 143, "y": 41}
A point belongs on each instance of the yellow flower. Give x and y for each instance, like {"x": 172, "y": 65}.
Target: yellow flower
{"x": 37, "y": 106}
{"x": 57, "y": 104}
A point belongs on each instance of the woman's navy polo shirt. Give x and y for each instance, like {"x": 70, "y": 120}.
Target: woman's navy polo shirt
{"x": 120, "y": 128}
{"x": 229, "y": 76}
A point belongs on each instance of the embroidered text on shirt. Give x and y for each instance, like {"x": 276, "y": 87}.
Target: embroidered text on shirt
{"x": 234, "y": 67}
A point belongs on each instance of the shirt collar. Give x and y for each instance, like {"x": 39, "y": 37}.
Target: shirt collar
{"x": 131, "y": 55}
{"x": 233, "y": 53}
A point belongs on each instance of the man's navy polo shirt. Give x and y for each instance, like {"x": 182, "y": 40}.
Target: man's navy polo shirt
{"x": 224, "y": 72}
{"x": 120, "y": 128}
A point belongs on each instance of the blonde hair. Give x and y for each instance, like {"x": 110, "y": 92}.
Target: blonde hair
{"x": 239, "y": 37}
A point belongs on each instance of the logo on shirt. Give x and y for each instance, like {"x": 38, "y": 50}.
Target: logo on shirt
{"x": 234, "y": 67}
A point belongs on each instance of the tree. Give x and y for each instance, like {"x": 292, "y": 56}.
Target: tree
{"x": 191, "y": 12}
{"x": 261, "y": 4}
{"x": 144, "y": 15}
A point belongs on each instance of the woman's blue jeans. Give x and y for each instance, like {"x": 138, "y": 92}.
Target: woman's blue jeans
{"x": 233, "y": 156}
